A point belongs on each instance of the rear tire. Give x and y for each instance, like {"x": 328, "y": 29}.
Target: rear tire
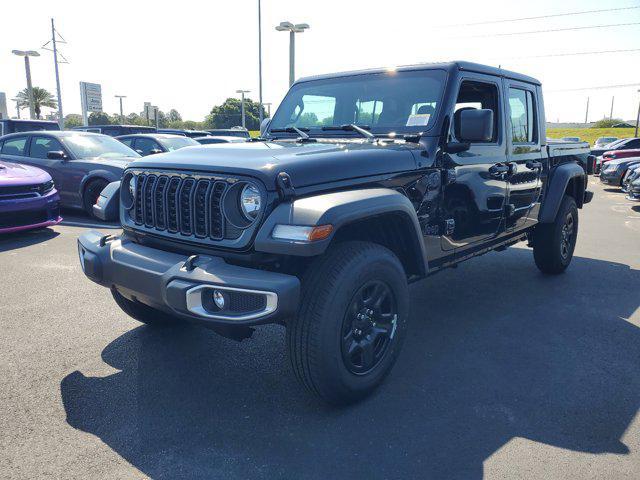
{"x": 351, "y": 322}
{"x": 91, "y": 194}
{"x": 141, "y": 312}
{"x": 555, "y": 242}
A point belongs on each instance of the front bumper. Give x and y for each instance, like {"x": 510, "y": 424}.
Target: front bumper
{"x": 28, "y": 213}
{"x": 611, "y": 177}
{"x": 161, "y": 280}
{"x": 634, "y": 194}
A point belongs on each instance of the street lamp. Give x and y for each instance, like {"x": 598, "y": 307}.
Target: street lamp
{"x": 17, "y": 100}
{"x": 120, "y": 97}
{"x": 242, "y": 92}
{"x": 27, "y": 67}
{"x": 292, "y": 29}
{"x": 268, "y": 105}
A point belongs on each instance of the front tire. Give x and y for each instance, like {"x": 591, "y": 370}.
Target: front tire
{"x": 91, "y": 194}
{"x": 351, "y": 323}
{"x": 141, "y": 312}
{"x": 555, "y": 242}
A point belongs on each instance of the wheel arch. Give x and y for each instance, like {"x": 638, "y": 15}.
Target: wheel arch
{"x": 378, "y": 215}
{"x": 567, "y": 179}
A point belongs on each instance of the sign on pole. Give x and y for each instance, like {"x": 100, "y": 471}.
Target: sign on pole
{"x": 90, "y": 98}
{"x": 3, "y": 106}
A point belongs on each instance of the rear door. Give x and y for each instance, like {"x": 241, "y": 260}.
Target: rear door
{"x": 524, "y": 154}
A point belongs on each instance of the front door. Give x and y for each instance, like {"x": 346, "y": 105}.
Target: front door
{"x": 475, "y": 188}
{"x": 39, "y": 148}
{"x": 524, "y": 155}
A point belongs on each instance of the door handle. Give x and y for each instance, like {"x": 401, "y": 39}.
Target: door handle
{"x": 499, "y": 170}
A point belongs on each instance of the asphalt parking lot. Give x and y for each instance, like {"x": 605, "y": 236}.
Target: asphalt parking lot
{"x": 506, "y": 373}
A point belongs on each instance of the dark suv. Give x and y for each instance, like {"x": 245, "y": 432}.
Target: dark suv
{"x": 364, "y": 182}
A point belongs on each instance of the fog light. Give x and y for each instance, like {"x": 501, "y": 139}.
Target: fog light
{"x": 218, "y": 299}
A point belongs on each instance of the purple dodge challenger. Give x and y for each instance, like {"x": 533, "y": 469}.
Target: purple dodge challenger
{"x": 28, "y": 198}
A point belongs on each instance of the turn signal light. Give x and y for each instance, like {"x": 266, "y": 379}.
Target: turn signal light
{"x": 302, "y": 233}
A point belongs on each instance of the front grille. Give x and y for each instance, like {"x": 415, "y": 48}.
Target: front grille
{"x": 11, "y": 192}
{"x": 182, "y": 205}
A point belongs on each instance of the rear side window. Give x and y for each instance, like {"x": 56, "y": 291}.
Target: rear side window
{"x": 633, "y": 144}
{"x": 127, "y": 141}
{"x": 14, "y": 146}
{"x": 522, "y": 116}
{"x": 474, "y": 95}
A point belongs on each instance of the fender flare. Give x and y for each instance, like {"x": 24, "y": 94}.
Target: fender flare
{"x": 338, "y": 209}
{"x": 108, "y": 206}
{"x": 103, "y": 174}
{"x": 560, "y": 178}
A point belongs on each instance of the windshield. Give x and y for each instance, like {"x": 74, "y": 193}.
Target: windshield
{"x": 172, "y": 144}
{"x": 90, "y": 146}
{"x": 401, "y": 102}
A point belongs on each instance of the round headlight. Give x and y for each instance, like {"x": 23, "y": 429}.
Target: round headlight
{"x": 250, "y": 201}
{"x": 128, "y": 190}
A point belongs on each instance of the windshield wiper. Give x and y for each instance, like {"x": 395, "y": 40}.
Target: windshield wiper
{"x": 352, "y": 127}
{"x": 302, "y": 135}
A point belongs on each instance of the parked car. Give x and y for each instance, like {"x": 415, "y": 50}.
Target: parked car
{"x": 184, "y": 133}
{"x": 80, "y": 163}
{"x": 8, "y": 125}
{"x": 622, "y": 144}
{"x": 614, "y": 170}
{"x": 601, "y": 142}
{"x": 322, "y": 226}
{"x": 211, "y": 139}
{"x": 152, "y": 143}
{"x": 634, "y": 190}
{"x": 28, "y": 198}
{"x": 230, "y": 132}
{"x": 116, "y": 130}
{"x": 571, "y": 139}
{"x": 633, "y": 172}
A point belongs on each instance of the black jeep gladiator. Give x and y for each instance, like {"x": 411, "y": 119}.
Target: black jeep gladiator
{"x": 361, "y": 183}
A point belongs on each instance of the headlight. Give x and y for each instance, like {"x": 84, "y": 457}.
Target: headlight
{"x": 128, "y": 190}
{"x": 46, "y": 187}
{"x": 250, "y": 201}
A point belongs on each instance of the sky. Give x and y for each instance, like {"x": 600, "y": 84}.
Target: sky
{"x": 193, "y": 58}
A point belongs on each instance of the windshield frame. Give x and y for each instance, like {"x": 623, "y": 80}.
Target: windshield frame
{"x": 71, "y": 147}
{"x": 318, "y": 132}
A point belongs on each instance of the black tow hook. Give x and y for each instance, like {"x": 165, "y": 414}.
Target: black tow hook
{"x": 106, "y": 239}
{"x": 190, "y": 263}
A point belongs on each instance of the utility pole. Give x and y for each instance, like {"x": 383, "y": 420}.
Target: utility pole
{"x": 242, "y": 92}
{"x": 55, "y": 62}
{"x": 611, "y": 114}
{"x": 120, "y": 97}
{"x": 260, "y": 107}
{"x": 586, "y": 115}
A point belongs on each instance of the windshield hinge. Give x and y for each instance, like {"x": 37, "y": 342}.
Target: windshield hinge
{"x": 285, "y": 186}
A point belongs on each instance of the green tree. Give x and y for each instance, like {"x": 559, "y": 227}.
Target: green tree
{"x": 174, "y": 116}
{"x": 72, "y": 120}
{"x": 41, "y": 98}
{"x": 99, "y": 118}
{"x": 229, "y": 114}
{"x": 607, "y": 123}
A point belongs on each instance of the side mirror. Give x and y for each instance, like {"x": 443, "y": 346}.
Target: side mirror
{"x": 475, "y": 125}
{"x": 264, "y": 126}
{"x": 56, "y": 155}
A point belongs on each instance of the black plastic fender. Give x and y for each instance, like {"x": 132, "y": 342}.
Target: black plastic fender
{"x": 107, "y": 206}
{"x": 337, "y": 209}
{"x": 558, "y": 182}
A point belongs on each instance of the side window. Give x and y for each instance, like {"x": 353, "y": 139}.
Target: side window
{"x": 476, "y": 95}
{"x": 112, "y": 132}
{"x": 40, "y": 146}
{"x": 314, "y": 111}
{"x": 522, "y": 116}
{"x": 145, "y": 145}
{"x": 14, "y": 146}
{"x": 632, "y": 144}
{"x": 128, "y": 142}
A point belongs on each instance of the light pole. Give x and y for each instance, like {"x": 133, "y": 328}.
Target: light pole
{"x": 242, "y": 92}
{"x": 27, "y": 67}
{"x": 637, "y": 119}
{"x": 259, "y": 63}
{"x": 268, "y": 105}
{"x": 120, "y": 97}
{"x": 292, "y": 29}
{"x": 17, "y": 100}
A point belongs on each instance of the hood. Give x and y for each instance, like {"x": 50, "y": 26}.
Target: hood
{"x": 120, "y": 162}
{"x": 622, "y": 161}
{"x": 306, "y": 163}
{"x": 15, "y": 174}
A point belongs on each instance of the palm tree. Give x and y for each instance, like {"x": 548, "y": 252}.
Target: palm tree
{"x": 41, "y": 98}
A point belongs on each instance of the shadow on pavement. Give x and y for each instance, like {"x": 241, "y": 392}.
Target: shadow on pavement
{"x": 25, "y": 238}
{"x": 495, "y": 351}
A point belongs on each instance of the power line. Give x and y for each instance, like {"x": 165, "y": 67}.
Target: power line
{"x": 629, "y": 50}
{"x": 551, "y": 30}
{"x": 599, "y": 87}
{"x": 539, "y": 17}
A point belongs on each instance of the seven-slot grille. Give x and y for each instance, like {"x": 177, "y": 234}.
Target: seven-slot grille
{"x": 186, "y": 206}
